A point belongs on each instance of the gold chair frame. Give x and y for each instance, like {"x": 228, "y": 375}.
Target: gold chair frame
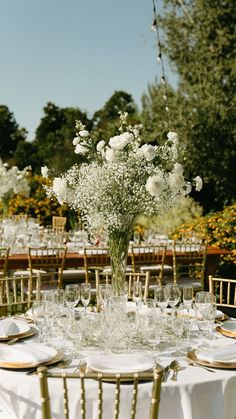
{"x": 4, "y": 255}
{"x": 19, "y": 291}
{"x": 225, "y": 291}
{"x": 50, "y": 259}
{"x": 189, "y": 261}
{"x": 149, "y": 258}
{"x": 155, "y": 376}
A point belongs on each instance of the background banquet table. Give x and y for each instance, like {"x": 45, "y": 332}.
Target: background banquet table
{"x": 76, "y": 259}
{"x": 197, "y": 394}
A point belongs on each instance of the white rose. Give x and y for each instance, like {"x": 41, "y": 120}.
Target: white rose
{"x": 149, "y": 152}
{"x": 198, "y": 183}
{"x": 109, "y": 154}
{"x": 173, "y": 136}
{"x": 80, "y": 149}
{"x": 76, "y": 141}
{"x": 176, "y": 179}
{"x": 59, "y": 188}
{"x": 155, "y": 185}
{"x": 100, "y": 145}
{"x": 120, "y": 141}
{"x": 187, "y": 188}
{"x": 83, "y": 133}
{"x": 44, "y": 171}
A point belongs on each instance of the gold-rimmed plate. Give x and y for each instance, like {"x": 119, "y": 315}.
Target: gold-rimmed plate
{"x": 30, "y": 332}
{"x": 192, "y": 356}
{"x": 225, "y": 332}
{"x": 10, "y": 366}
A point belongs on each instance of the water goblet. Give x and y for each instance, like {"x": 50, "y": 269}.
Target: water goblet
{"x": 137, "y": 294}
{"x": 72, "y": 295}
{"x": 85, "y": 293}
{"x": 188, "y": 295}
{"x": 160, "y": 296}
{"x": 104, "y": 293}
{"x": 173, "y": 295}
{"x": 38, "y": 313}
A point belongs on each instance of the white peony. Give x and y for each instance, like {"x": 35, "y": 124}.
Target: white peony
{"x": 155, "y": 185}
{"x": 100, "y": 146}
{"x": 173, "y": 136}
{"x": 80, "y": 149}
{"x": 120, "y": 141}
{"x": 44, "y": 171}
{"x": 176, "y": 179}
{"x": 109, "y": 154}
{"x": 59, "y": 187}
{"x": 148, "y": 151}
{"x": 76, "y": 141}
{"x": 83, "y": 133}
{"x": 198, "y": 183}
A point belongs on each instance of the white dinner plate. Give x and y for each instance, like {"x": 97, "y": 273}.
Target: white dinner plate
{"x": 229, "y": 326}
{"x": 22, "y": 326}
{"x": 120, "y": 363}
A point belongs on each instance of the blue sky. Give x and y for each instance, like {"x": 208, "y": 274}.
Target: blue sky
{"x": 74, "y": 53}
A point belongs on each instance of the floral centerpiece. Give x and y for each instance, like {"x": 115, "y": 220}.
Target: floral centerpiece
{"x": 121, "y": 179}
{"x": 12, "y": 181}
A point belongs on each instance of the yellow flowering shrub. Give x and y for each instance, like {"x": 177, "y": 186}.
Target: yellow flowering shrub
{"x": 219, "y": 228}
{"x": 37, "y": 205}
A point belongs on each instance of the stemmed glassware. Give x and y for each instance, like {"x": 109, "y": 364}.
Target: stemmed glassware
{"x": 160, "y": 296}
{"x": 188, "y": 296}
{"x": 137, "y": 294}
{"x": 173, "y": 295}
{"x": 104, "y": 293}
{"x": 38, "y": 313}
{"x": 85, "y": 295}
{"x": 72, "y": 295}
{"x": 205, "y": 306}
{"x": 177, "y": 323}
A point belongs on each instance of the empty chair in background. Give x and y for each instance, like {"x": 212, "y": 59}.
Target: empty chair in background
{"x": 225, "y": 293}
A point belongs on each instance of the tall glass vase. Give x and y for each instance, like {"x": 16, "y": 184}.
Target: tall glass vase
{"x": 119, "y": 244}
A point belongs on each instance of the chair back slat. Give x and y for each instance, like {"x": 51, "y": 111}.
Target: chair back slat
{"x": 4, "y": 256}
{"x": 225, "y": 291}
{"x": 155, "y": 376}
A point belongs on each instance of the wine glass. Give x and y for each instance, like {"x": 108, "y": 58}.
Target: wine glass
{"x": 85, "y": 295}
{"x": 104, "y": 293}
{"x": 72, "y": 295}
{"x": 188, "y": 295}
{"x": 177, "y": 323}
{"x": 137, "y": 294}
{"x": 160, "y": 296}
{"x": 173, "y": 295}
{"x": 38, "y": 313}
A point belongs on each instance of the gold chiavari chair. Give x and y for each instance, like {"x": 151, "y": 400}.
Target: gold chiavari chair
{"x": 189, "y": 263}
{"x": 18, "y": 293}
{"x": 155, "y": 376}
{"x": 225, "y": 292}
{"x": 96, "y": 258}
{"x": 130, "y": 277}
{"x": 4, "y": 255}
{"x": 58, "y": 224}
{"x": 51, "y": 260}
{"x": 150, "y": 258}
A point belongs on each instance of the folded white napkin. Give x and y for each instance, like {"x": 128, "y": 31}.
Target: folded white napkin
{"x": 26, "y": 354}
{"x": 8, "y": 327}
{"x": 221, "y": 355}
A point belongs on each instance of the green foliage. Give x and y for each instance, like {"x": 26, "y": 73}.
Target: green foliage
{"x": 106, "y": 120}
{"x": 201, "y": 46}
{"x": 219, "y": 228}
{"x": 10, "y": 134}
{"x": 54, "y": 137}
{"x": 184, "y": 211}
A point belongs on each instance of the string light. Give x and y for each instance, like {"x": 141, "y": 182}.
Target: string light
{"x": 155, "y": 28}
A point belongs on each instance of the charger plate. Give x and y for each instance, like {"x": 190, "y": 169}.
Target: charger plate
{"x": 32, "y": 331}
{"x": 57, "y": 358}
{"x": 192, "y": 356}
{"x": 225, "y": 332}
{"x": 22, "y": 326}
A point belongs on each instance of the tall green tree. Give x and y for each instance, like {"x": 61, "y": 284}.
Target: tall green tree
{"x": 10, "y": 133}
{"x": 201, "y": 44}
{"x": 106, "y": 120}
{"x": 54, "y": 136}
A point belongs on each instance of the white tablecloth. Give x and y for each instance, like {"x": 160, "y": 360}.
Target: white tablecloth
{"x": 198, "y": 394}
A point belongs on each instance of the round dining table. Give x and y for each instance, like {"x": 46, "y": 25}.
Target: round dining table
{"x": 196, "y": 394}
